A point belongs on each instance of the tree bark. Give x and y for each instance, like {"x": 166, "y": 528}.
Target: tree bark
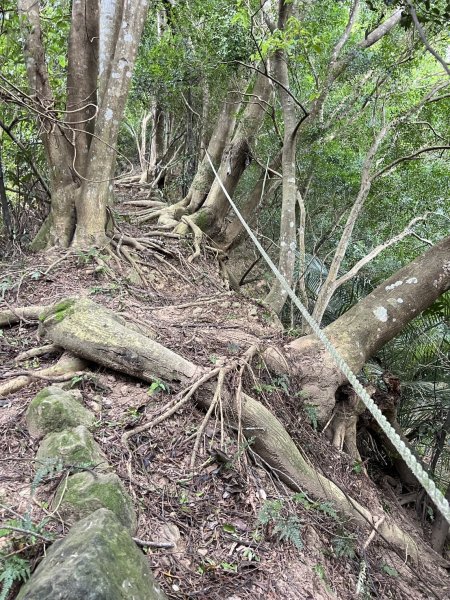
{"x": 95, "y": 191}
{"x": 234, "y": 233}
{"x": 277, "y": 296}
{"x": 235, "y": 159}
{"x": 58, "y": 228}
{"x": 220, "y": 137}
{"x": 82, "y": 72}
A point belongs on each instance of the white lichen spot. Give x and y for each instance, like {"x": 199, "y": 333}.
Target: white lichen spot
{"x": 128, "y": 37}
{"x": 115, "y": 75}
{"x": 381, "y": 314}
{"x": 128, "y": 74}
{"x": 400, "y": 300}
{"x": 291, "y": 224}
{"x": 393, "y": 285}
{"x": 108, "y": 114}
{"x": 122, "y": 64}
{"x": 283, "y": 244}
{"x": 393, "y": 320}
{"x": 292, "y": 246}
{"x": 411, "y": 280}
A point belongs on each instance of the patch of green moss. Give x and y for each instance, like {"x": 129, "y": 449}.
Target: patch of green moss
{"x": 59, "y": 312}
{"x": 86, "y": 492}
{"x": 73, "y": 446}
{"x": 54, "y": 409}
{"x": 202, "y": 219}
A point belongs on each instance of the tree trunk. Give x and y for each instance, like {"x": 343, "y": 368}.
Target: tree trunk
{"x": 234, "y": 233}
{"x": 96, "y": 188}
{"x": 235, "y": 159}
{"x": 277, "y": 296}
{"x": 365, "y": 328}
{"x": 439, "y": 531}
{"x": 58, "y": 228}
{"x": 204, "y": 177}
{"x": 98, "y": 334}
{"x": 82, "y": 72}
{"x": 6, "y": 215}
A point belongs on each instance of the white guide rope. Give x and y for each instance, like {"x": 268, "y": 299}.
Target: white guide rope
{"x": 419, "y": 472}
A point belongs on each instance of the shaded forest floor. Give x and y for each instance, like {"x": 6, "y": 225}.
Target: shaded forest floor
{"x": 239, "y": 533}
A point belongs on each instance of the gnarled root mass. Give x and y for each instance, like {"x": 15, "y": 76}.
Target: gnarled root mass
{"x": 97, "y": 334}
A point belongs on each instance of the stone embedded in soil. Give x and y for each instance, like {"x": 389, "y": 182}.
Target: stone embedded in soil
{"x": 86, "y": 492}
{"x": 54, "y": 409}
{"x": 75, "y": 447}
{"x": 97, "y": 560}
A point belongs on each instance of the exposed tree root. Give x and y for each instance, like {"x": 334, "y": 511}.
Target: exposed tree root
{"x": 67, "y": 367}
{"x": 40, "y": 351}
{"x": 98, "y": 334}
{"x": 198, "y": 235}
{"x": 27, "y": 314}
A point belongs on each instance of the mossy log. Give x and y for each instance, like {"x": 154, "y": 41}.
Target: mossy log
{"x": 100, "y": 335}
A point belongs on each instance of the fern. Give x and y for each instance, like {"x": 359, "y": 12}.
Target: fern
{"x": 48, "y": 468}
{"x": 288, "y": 529}
{"x": 270, "y": 511}
{"x": 13, "y": 569}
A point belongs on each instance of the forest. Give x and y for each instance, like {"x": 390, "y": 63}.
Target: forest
{"x": 224, "y": 299}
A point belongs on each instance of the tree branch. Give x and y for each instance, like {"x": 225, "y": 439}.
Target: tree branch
{"x": 408, "y": 157}
{"x": 377, "y": 250}
{"x": 423, "y": 37}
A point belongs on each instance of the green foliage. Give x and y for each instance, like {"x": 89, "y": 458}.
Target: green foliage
{"x": 280, "y": 383}
{"x": 48, "y": 468}
{"x": 325, "y": 507}
{"x": 311, "y": 413}
{"x": 391, "y": 571}
{"x": 13, "y": 569}
{"x": 285, "y": 527}
{"x": 344, "y": 547}
{"x": 158, "y": 386}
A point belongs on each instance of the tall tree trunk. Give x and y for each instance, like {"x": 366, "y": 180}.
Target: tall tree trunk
{"x": 95, "y": 191}
{"x": 268, "y": 182}
{"x": 6, "y": 215}
{"x": 58, "y": 228}
{"x": 277, "y": 296}
{"x": 234, "y": 160}
{"x": 82, "y": 73}
{"x": 220, "y": 137}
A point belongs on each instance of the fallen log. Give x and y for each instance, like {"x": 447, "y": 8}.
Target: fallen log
{"x": 95, "y": 333}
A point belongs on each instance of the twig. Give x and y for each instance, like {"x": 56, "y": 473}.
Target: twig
{"x": 212, "y": 406}
{"x": 186, "y": 394}
{"x": 27, "y": 532}
{"x": 153, "y": 544}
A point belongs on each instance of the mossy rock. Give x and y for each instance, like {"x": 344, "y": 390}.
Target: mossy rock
{"x": 74, "y": 447}
{"x": 86, "y": 492}
{"x": 54, "y": 409}
{"x": 97, "y": 560}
